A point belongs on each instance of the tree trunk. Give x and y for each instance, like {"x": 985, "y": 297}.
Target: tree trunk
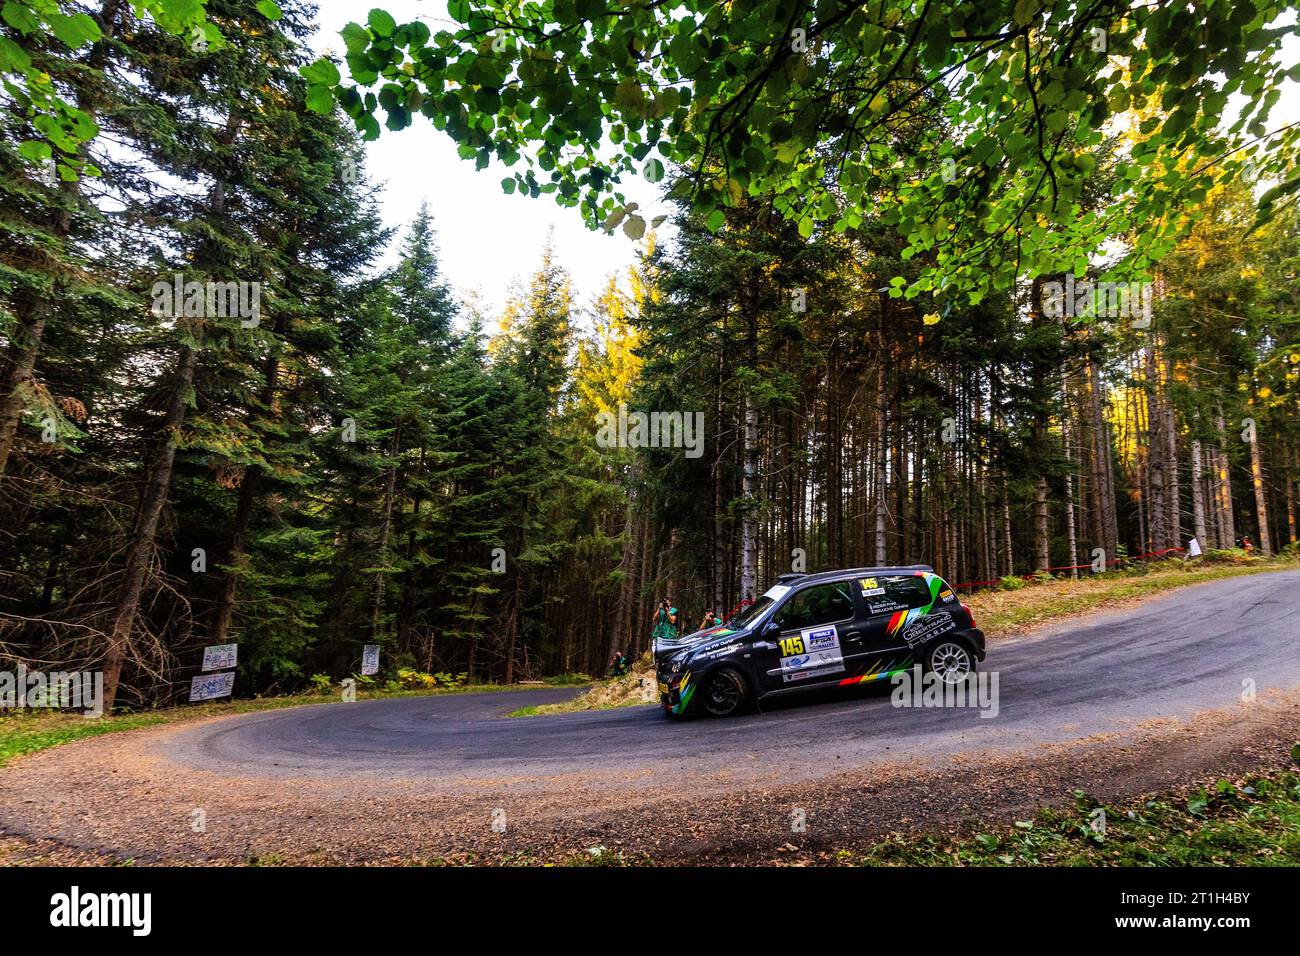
{"x": 385, "y": 523}
{"x": 749, "y": 491}
{"x": 21, "y": 363}
{"x": 1261, "y": 496}
{"x": 1198, "y": 496}
{"x": 1173, "y": 493}
{"x": 882, "y": 542}
{"x": 1071, "y": 540}
{"x": 157, "y": 485}
{"x": 1103, "y": 465}
{"x": 1229, "y": 523}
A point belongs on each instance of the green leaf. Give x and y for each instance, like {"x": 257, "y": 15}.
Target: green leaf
{"x": 356, "y": 37}
{"x": 369, "y": 127}
{"x": 322, "y": 72}
{"x": 382, "y": 22}
{"x": 320, "y": 98}
{"x": 21, "y": 18}
{"x": 36, "y": 151}
{"x": 13, "y": 58}
{"x": 634, "y": 227}
{"x": 269, "y": 9}
{"x": 75, "y": 30}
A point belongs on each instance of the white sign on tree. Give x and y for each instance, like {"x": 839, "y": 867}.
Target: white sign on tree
{"x": 211, "y": 686}
{"x": 220, "y": 657}
{"x": 370, "y": 660}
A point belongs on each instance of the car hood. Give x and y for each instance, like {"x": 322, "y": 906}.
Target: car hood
{"x": 666, "y": 650}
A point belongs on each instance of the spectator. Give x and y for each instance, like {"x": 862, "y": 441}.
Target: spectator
{"x": 665, "y": 626}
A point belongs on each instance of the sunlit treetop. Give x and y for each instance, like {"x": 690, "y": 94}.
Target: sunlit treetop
{"x": 975, "y": 128}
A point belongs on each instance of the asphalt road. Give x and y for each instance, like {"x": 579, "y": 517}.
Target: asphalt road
{"x": 1185, "y": 653}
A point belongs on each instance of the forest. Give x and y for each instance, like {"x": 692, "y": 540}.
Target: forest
{"x": 224, "y": 420}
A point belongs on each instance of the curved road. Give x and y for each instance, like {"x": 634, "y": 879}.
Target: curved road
{"x": 403, "y": 769}
{"x": 1174, "y": 656}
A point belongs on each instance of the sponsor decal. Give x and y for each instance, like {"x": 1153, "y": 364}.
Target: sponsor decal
{"x": 946, "y": 595}
{"x": 814, "y": 652}
{"x": 885, "y": 607}
{"x": 872, "y": 592}
{"x": 879, "y": 671}
{"x": 723, "y": 651}
{"x": 927, "y": 628}
{"x": 902, "y": 619}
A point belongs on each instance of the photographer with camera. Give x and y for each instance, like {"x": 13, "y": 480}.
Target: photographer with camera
{"x": 711, "y": 619}
{"x": 665, "y": 622}
{"x": 619, "y": 664}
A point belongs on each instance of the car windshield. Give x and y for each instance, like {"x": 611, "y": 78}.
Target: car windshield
{"x": 749, "y": 615}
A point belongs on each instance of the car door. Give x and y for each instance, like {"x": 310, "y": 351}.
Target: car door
{"x": 813, "y": 628}
{"x": 892, "y": 602}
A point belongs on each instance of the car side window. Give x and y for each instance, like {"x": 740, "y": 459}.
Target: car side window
{"x": 822, "y": 604}
{"x": 886, "y": 594}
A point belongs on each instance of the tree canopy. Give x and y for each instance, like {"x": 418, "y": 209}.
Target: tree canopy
{"x": 972, "y": 128}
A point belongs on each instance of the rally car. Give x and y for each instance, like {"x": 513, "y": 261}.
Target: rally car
{"x": 836, "y": 628}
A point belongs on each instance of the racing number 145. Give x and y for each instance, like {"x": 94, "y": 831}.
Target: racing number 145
{"x": 791, "y": 646}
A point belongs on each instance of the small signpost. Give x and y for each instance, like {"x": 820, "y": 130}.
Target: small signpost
{"x": 370, "y": 660}
{"x": 211, "y": 686}
{"x": 220, "y": 657}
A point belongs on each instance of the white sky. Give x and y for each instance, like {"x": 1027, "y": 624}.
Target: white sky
{"x": 487, "y": 239}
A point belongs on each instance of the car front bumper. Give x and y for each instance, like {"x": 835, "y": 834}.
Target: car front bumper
{"x": 675, "y": 691}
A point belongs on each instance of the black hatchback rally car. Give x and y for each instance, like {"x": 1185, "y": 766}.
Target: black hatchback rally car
{"x": 836, "y": 628}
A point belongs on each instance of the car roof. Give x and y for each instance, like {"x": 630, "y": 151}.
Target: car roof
{"x": 820, "y": 576}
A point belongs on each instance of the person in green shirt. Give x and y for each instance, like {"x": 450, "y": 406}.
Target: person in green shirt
{"x": 711, "y": 619}
{"x": 665, "y": 626}
{"x": 619, "y": 664}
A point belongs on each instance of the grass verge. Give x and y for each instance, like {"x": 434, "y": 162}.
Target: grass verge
{"x": 1003, "y": 613}
{"x": 1250, "y": 822}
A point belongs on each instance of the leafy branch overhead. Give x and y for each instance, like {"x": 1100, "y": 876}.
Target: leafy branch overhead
{"x": 973, "y": 128}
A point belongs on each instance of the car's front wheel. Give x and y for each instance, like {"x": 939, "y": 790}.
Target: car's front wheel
{"x": 724, "y": 693}
{"x": 951, "y": 660}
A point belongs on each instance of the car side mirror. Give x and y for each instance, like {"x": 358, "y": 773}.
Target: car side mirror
{"x": 769, "y": 629}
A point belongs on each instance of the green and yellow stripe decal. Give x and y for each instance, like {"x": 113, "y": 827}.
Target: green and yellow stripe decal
{"x": 879, "y": 672}
{"x": 901, "y": 619}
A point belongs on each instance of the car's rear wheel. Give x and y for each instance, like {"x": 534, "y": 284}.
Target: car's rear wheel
{"x": 724, "y": 693}
{"x": 951, "y": 660}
